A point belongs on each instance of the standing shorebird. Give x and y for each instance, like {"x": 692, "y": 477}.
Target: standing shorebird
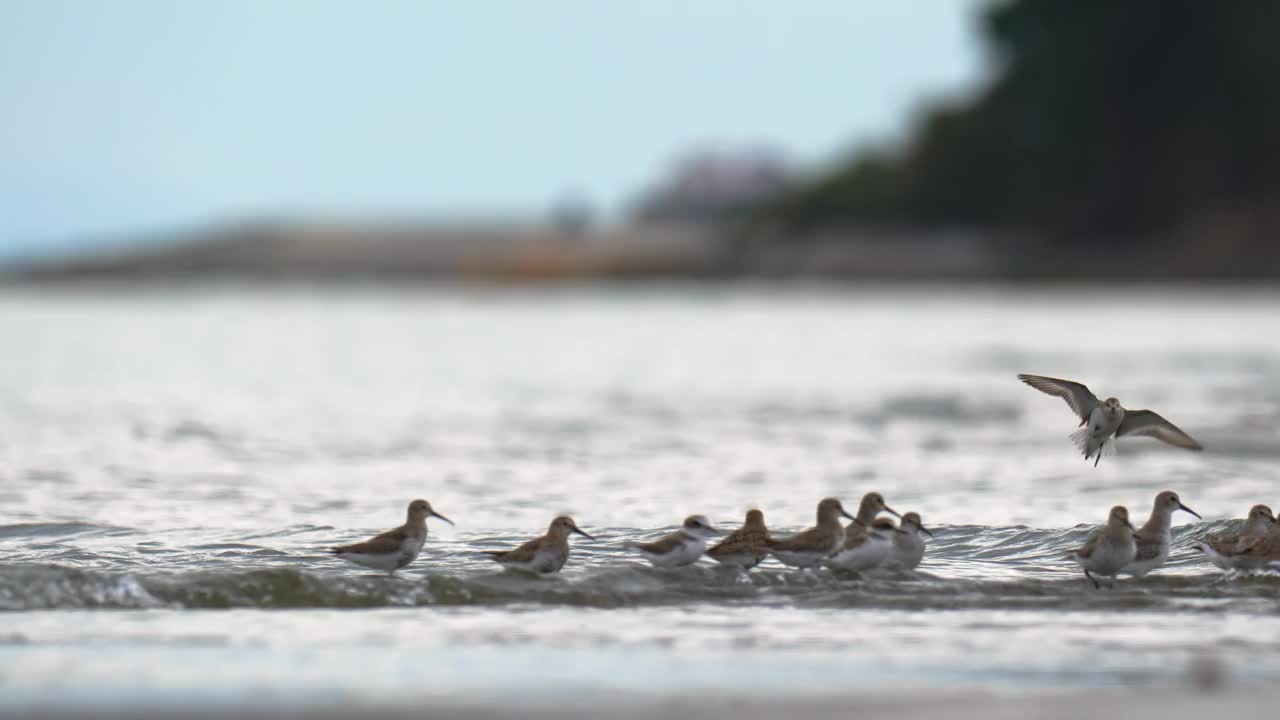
{"x": 1155, "y": 537}
{"x": 1263, "y": 552}
{"x": 872, "y": 505}
{"x": 867, "y": 549}
{"x": 393, "y": 549}
{"x": 682, "y": 547}
{"x": 543, "y": 555}
{"x": 1109, "y": 550}
{"x": 809, "y": 548}
{"x": 745, "y": 547}
{"x": 908, "y": 546}
{"x": 854, "y": 552}
{"x": 1102, "y": 421}
{"x": 1225, "y": 550}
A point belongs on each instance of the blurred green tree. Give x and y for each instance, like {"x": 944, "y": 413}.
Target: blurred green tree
{"x": 1105, "y": 119}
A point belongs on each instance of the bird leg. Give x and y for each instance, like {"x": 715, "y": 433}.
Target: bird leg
{"x": 1093, "y": 580}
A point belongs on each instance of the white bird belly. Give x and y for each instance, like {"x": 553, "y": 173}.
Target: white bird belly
{"x": 685, "y": 553}
{"x": 866, "y": 556}
{"x": 382, "y": 561}
{"x": 1109, "y": 559}
{"x": 906, "y": 553}
{"x": 542, "y": 563}
{"x": 1138, "y": 568}
{"x": 1224, "y": 562}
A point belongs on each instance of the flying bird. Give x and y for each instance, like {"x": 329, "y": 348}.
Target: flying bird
{"x": 1101, "y": 421}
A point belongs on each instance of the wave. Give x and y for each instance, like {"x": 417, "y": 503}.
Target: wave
{"x": 56, "y": 529}
{"x": 54, "y": 587}
{"x": 966, "y": 566}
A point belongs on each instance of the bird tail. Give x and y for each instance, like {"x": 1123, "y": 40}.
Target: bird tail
{"x": 1081, "y": 440}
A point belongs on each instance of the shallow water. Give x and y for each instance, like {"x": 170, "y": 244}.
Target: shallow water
{"x": 174, "y": 462}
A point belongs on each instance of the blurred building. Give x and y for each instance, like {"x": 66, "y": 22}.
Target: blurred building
{"x": 711, "y": 186}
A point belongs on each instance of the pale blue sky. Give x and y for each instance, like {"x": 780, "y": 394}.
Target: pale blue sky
{"x": 128, "y": 115}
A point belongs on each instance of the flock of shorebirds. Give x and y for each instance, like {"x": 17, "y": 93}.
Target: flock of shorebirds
{"x": 870, "y": 541}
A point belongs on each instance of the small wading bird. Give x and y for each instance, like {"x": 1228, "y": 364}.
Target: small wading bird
{"x": 1110, "y": 549}
{"x": 393, "y": 549}
{"x": 745, "y": 547}
{"x": 1102, "y": 421}
{"x": 1156, "y": 536}
{"x": 1265, "y": 551}
{"x": 1225, "y": 549}
{"x": 546, "y": 554}
{"x": 908, "y": 546}
{"x": 857, "y": 554}
{"x": 809, "y": 548}
{"x": 682, "y": 547}
{"x": 867, "y": 549}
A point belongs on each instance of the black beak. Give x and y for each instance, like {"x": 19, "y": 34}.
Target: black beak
{"x": 1187, "y": 509}
{"x": 891, "y": 511}
{"x": 842, "y": 512}
{"x": 1130, "y": 526}
{"x": 436, "y": 514}
{"x": 925, "y": 530}
{"x": 583, "y": 534}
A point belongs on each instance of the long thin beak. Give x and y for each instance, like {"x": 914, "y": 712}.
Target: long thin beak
{"x": 436, "y": 514}
{"x": 891, "y": 511}
{"x": 842, "y": 512}
{"x": 1187, "y": 509}
{"x": 925, "y": 530}
{"x": 583, "y": 534}
{"x": 1130, "y": 526}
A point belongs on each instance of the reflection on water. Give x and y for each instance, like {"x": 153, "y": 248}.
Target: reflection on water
{"x": 182, "y": 452}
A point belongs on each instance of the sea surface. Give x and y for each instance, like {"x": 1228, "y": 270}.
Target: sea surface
{"x": 174, "y": 462}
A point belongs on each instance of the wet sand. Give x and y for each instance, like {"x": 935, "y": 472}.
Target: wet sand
{"x": 1153, "y": 703}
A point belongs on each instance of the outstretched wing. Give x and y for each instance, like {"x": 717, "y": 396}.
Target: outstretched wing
{"x": 1226, "y": 545}
{"x": 1078, "y": 397}
{"x": 1145, "y": 422}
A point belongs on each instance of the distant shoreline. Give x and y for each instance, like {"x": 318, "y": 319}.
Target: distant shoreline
{"x": 530, "y": 253}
